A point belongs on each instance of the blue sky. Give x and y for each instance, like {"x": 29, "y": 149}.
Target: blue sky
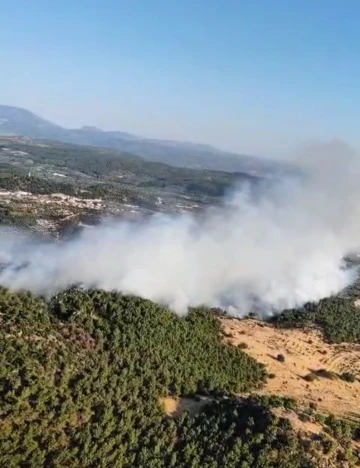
{"x": 255, "y": 76}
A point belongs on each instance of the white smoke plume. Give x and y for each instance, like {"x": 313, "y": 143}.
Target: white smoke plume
{"x": 272, "y": 250}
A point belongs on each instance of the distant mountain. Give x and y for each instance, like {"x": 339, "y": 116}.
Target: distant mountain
{"x": 18, "y": 121}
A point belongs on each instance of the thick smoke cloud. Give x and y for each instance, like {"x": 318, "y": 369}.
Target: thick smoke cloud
{"x": 270, "y": 250}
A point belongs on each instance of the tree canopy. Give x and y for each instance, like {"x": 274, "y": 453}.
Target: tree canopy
{"x": 82, "y": 377}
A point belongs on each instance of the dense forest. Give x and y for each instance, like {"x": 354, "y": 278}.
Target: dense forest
{"x": 101, "y": 163}
{"x": 82, "y": 378}
{"x": 338, "y": 317}
{"x": 13, "y": 180}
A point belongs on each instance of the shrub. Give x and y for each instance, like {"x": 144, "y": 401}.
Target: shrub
{"x": 310, "y": 377}
{"x": 348, "y": 377}
{"x": 280, "y": 358}
{"x": 320, "y": 418}
{"x": 289, "y": 403}
{"x": 304, "y": 417}
{"x": 242, "y": 345}
{"x": 326, "y": 374}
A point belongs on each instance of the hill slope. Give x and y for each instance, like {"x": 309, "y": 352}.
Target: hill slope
{"x": 83, "y": 376}
{"x": 18, "y": 121}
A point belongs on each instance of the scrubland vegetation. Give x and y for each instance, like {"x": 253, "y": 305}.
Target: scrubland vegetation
{"x": 337, "y": 317}
{"x": 82, "y": 377}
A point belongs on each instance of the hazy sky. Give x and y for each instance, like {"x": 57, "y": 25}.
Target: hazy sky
{"x": 255, "y": 76}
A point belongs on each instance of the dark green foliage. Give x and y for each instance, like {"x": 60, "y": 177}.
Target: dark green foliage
{"x": 275, "y": 401}
{"x": 280, "y": 358}
{"x": 238, "y": 434}
{"x": 338, "y": 317}
{"x": 325, "y": 374}
{"x": 348, "y": 377}
{"x": 100, "y": 163}
{"x": 343, "y": 431}
{"x": 82, "y": 377}
{"x": 304, "y": 417}
{"x": 14, "y": 181}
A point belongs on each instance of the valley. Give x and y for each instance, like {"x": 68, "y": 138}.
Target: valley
{"x": 51, "y": 188}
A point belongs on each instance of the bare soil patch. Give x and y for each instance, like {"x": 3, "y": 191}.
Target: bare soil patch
{"x": 175, "y": 406}
{"x": 306, "y": 427}
{"x": 305, "y": 352}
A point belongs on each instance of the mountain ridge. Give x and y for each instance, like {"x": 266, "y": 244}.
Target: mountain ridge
{"x": 18, "y": 121}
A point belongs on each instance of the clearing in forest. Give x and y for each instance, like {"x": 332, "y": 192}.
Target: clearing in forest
{"x": 305, "y": 352}
{"x": 175, "y": 406}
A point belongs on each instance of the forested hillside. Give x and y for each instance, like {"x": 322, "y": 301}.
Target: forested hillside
{"x": 82, "y": 377}
{"x": 21, "y": 122}
{"x": 107, "y": 164}
{"x": 13, "y": 180}
{"x": 337, "y": 317}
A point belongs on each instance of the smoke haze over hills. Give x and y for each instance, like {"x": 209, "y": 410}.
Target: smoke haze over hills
{"x": 274, "y": 249}
{"x": 17, "y": 121}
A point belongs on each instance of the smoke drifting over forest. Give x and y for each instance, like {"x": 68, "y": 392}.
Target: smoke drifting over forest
{"x": 274, "y": 249}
